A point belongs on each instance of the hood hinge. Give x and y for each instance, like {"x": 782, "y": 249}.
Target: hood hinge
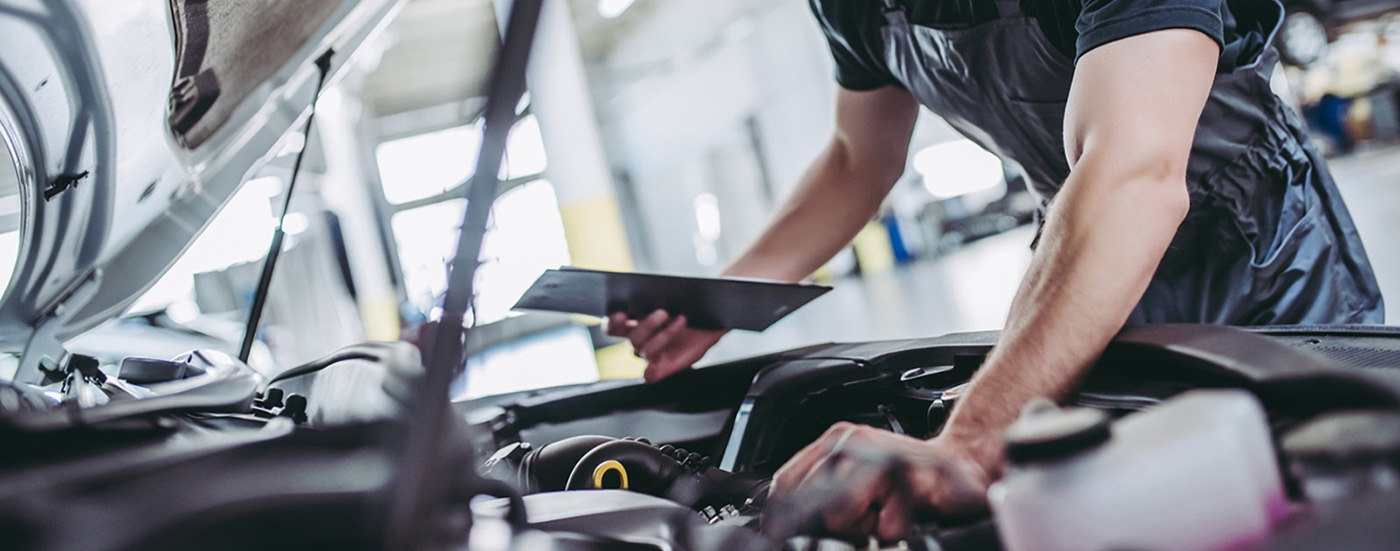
{"x": 45, "y": 359}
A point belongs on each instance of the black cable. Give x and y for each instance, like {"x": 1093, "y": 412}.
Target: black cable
{"x": 515, "y": 513}
{"x": 250, "y": 332}
{"x": 317, "y": 365}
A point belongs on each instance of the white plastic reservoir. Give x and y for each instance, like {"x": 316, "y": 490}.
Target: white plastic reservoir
{"x": 1196, "y": 473}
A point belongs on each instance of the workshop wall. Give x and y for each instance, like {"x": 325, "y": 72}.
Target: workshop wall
{"x": 704, "y": 93}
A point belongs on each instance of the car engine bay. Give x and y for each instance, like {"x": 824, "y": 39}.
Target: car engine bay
{"x": 668, "y": 441}
{"x": 681, "y": 464}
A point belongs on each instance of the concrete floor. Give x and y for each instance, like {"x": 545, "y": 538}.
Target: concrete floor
{"x": 971, "y": 289}
{"x": 1370, "y": 183}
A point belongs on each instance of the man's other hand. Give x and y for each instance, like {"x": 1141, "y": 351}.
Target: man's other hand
{"x": 665, "y": 342}
{"x": 858, "y": 480}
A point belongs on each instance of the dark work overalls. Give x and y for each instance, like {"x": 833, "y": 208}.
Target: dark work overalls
{"x": 1267, "y": 239}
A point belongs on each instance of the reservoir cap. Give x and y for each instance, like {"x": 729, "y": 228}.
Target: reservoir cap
{"x": 1049, "y": 434}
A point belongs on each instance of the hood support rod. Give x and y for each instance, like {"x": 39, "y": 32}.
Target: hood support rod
{"x": 423, "y": 454}
{"x": 250, "y": 332}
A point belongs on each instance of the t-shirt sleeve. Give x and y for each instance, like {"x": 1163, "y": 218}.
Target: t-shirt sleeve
{"x": 852, "y": 72}
{"x": 1104, "y": 21}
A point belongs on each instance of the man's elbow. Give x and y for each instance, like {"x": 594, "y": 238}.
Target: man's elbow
{"x": 1164, "y": 182}
{"x": 1153, "y": 181}
{"x": 866, "y": 165}
{"x": 1173, "y": 196}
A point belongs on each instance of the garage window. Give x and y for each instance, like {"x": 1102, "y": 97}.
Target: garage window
{"x": 421, "y": 178}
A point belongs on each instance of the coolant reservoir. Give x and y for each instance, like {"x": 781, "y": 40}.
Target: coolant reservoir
{"x": 1197, "y": 473}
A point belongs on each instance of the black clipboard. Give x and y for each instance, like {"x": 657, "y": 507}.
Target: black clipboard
{"x": 707, "y": 303}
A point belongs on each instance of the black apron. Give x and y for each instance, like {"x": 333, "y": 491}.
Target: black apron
{"x": 1267, "y": 240}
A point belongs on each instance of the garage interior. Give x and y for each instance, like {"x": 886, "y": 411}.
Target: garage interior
{"x": 677, "y": 128}
{"x": 661, "y": 137}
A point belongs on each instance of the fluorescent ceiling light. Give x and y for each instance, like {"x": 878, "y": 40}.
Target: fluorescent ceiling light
{"x": 957, "y": 168}
{"x": 613, "y": 8}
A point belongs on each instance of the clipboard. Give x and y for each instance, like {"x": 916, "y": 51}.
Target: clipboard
{"x": 707, "y": 303}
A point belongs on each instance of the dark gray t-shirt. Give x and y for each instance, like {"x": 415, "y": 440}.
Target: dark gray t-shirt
{"x": 852, "y": 27}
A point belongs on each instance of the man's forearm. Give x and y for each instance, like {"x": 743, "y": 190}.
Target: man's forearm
{"x": 1102, "y": 243}
{"x": 835, "y": 199}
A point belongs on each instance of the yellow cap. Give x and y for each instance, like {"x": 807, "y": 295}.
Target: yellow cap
{"x": 607, "y": 467}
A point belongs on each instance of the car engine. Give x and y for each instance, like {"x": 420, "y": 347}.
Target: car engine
{"x": 199, "y": 452}
{"x": 708, "y": 442}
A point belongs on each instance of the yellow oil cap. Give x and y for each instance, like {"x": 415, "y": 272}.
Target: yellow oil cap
{"x": 610, "y": 475}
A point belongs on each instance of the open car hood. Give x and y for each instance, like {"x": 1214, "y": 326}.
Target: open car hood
{"x": 88, "y": 112}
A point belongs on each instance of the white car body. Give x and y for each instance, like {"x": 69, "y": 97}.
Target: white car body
{"x": 83, "y": 88}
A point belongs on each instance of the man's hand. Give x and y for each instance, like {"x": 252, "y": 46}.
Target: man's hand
{"x": 836, "y": 197}
{"x": 860, "y": 480}
{"x": 666, "y": 343}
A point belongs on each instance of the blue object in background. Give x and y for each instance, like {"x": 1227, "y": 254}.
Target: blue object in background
{"x": 901, "y": 253}
{"x": 1328, "y": 117}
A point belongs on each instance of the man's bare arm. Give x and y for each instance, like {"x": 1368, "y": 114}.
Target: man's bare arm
{"x": 837, "y": 196}
{"x": 842, "y": 189}
{"x": 1133, "y": 111}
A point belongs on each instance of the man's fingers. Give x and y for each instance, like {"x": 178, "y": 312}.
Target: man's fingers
{"x": 859, "y": 493}
{"x": 685, "y": 348}
{"x": 796, "y": 469}
{"x": 895, "y": 518}
{"x": 646, "y": 328}
{"x": 792, "y": 472}
{"x": 857, "y": 480}
{"x": 663, "y": 337}
{"x": 617, "y": 324}
{"x": 658, "y": 370}
{"x": 817, "y": 474}
{"x": 865, "y": 487}
{"x": 850, "y": 524}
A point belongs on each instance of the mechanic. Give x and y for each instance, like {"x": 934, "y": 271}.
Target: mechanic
{"x": 1155, "y": 217}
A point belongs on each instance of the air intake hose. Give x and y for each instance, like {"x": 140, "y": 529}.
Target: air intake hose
{"x": 644, "y": 468}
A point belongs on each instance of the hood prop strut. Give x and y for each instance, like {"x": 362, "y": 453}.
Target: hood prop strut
{"x": 250, "y": 332}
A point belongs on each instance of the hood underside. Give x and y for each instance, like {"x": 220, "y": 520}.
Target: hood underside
{"x": 141, "y": 119}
